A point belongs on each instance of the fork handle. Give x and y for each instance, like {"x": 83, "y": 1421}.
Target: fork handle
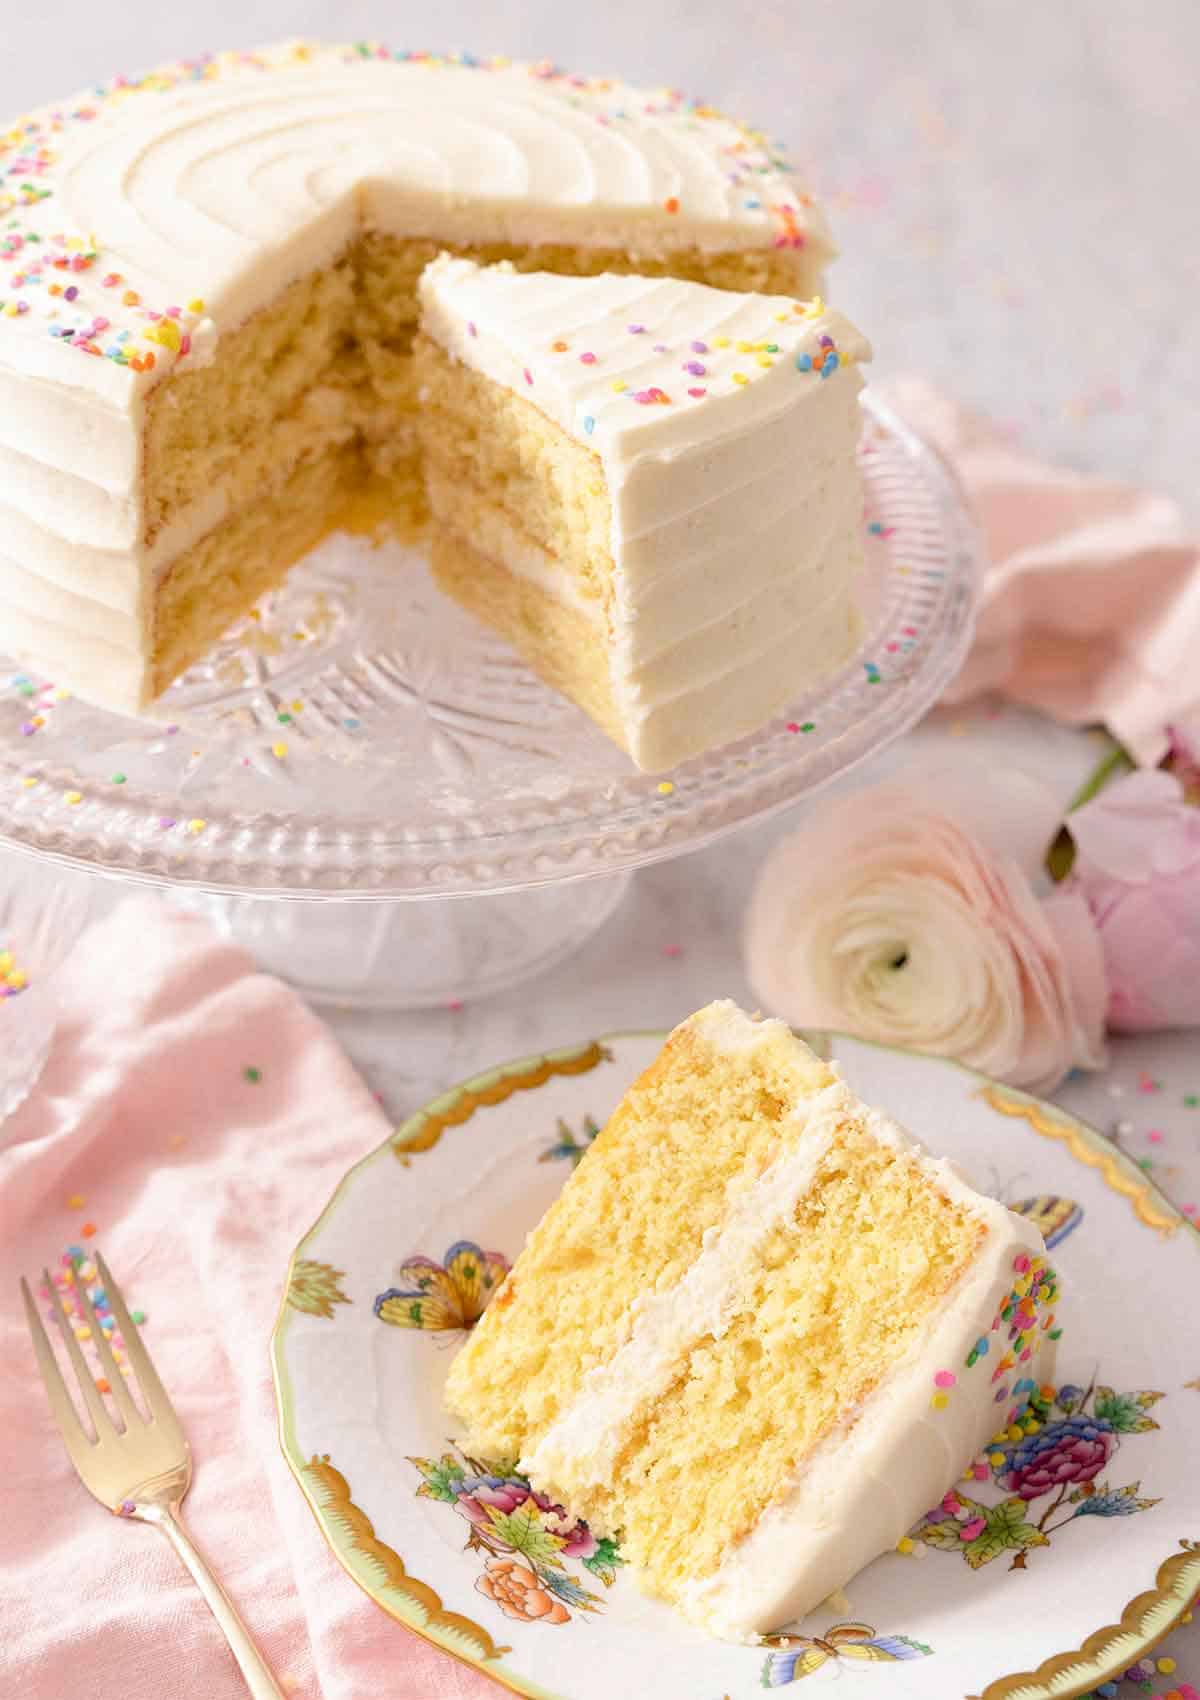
{"x": 259, "y": 1681}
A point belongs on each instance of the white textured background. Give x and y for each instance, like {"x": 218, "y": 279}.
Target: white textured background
{"x": 1016, "y": 188}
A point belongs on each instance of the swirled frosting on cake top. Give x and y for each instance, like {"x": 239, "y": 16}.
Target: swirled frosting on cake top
{"x": 142, "y": 218}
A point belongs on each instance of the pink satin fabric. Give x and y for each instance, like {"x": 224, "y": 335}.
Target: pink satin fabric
{"x": 1091, "y": 604}
{"x": 199, "y": 1182}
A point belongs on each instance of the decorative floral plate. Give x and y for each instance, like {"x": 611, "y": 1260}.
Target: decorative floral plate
{"x": 1000, "y": 1594}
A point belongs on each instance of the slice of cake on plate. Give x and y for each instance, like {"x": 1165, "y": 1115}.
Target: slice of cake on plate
{"x": 759, "y": 1333}
{"x": 649, "y": 487}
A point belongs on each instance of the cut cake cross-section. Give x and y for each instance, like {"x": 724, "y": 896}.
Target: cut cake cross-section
{"x": 758, "y": 1334}
{"x": 208, "y": 301}
{"x": 649, "y": 487}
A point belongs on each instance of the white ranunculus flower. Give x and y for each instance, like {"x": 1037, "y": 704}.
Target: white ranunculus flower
{"x": 885, "y": 915}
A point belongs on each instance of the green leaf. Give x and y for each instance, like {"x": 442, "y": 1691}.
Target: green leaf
{"x": 524, "y": 1531}
{"x": 1115, "y": 1502}
{"x": 943, "y": 1535}
{"x": 604, "y": 1561}
{"x": 1126, "y": 1411}
{"x": 568, "y": 1146}
{"x": 1006, "y": 1531}
{"x": 443, "y": 1477}
{"x": 571, "y": 1592}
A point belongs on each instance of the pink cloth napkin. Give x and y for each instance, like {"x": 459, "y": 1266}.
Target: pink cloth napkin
{"x": 199, "y": 1182}
{"x": 1091, "y": 604}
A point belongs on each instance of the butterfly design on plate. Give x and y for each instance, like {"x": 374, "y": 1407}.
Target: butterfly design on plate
{"x": 1054, "y": 1218}
{"x": 452, "y": 1294}
{"x": 799, "y": 1655}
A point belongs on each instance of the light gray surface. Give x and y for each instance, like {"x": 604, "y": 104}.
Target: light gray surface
{"x": 1013, "y": 187}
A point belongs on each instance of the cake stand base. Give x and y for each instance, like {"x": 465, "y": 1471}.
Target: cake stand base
{"x": 415, "y": 954}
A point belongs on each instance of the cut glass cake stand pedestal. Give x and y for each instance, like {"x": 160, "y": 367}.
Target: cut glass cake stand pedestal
{"x": 371, "y": 792}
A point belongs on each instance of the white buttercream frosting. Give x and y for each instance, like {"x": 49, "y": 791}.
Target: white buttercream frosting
{"x": 726, "y": 427}
{"x": 143, "y": 220}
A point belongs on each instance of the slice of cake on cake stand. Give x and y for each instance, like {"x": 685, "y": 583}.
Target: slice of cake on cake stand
{"x": 649, "y": 487}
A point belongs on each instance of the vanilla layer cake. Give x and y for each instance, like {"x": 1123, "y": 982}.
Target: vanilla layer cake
{"x": 649, "y": 486}
{"x": 208, "y": 298}
{"x": 759, "y": 1333}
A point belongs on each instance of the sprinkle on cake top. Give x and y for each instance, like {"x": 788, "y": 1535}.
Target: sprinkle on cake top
{"x": 615, "y": 358}
{"x": 116, "y": 229}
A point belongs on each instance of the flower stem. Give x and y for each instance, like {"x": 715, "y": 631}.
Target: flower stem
{"x": 1051, "y": 1509}
{"x": 1116, "y": 761}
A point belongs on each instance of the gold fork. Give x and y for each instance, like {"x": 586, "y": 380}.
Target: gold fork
{"x": 142, "y": 1466}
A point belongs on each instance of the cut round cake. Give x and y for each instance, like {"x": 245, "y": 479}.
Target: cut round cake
{"x": 760, "y": 1332}
{"x": 649, "y": 487}
{"x": 208, "y": 300}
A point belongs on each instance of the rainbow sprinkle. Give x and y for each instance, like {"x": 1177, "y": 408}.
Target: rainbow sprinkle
{"x": 76, "y": 1272}
{"x": 13, "y": 978}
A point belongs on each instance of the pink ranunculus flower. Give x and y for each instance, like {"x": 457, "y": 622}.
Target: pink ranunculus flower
{"x": 904, "y": 914}
{"x": 1137, "y": 865}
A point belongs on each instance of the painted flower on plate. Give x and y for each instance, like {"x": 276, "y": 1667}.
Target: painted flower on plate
{"x": 512, "y": 1524}
{"x": 480, "y": 1498}
{"x": 1042, "y": 1455}
{"x": 519, "y": 1593}
{"x": 315, "y": 1287}
{"x": 1062, "y": 1454}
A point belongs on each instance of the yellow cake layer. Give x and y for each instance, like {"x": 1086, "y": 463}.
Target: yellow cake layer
{"x": 840, "y": 1292}
{"x": 561, "y": 645}
{"x": 479, "y": 437}
{"x": 388, "y": 268}
{"x": 226, "y": 425}
{"x": 695, "y": 1129}
{"x": 207, "y": 587}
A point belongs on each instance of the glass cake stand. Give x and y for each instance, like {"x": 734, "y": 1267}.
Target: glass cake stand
{"x": 363, "y": 784}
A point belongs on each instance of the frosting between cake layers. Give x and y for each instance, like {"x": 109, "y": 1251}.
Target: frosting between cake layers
{"x": 722, "y": 422}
